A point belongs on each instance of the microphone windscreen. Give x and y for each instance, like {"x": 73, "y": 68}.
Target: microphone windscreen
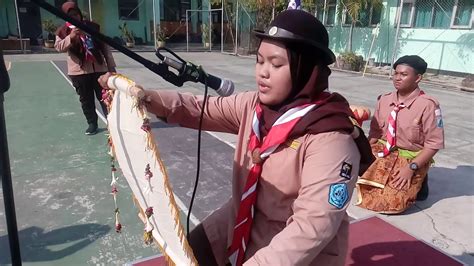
{"x": 226, "y": 88}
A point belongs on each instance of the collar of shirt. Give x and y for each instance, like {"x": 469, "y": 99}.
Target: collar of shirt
{"x": 408, "y": 101}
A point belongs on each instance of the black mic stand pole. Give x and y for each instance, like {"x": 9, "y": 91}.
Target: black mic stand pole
{"x": 5, "y": 173}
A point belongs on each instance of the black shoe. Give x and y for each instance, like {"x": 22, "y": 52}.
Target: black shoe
{"x": 424, "y": 191}
{"x": 92, "y": 129}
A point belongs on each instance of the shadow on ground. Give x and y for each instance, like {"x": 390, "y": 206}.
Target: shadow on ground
{"x": 396, "y": 253}
{"x": 38, "y": 245}
{"x": 445, "y": 183}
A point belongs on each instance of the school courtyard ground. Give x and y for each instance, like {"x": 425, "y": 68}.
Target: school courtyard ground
{"x": 61, "y": 177}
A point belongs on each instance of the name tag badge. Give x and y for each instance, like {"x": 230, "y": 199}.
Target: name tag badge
{"x": 294, "y": 144}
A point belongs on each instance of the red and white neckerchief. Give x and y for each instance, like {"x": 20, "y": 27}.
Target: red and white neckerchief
{"x": 87, "y": 43}
{"x": 277, "y": 135}
{"x": 391, "y": 130}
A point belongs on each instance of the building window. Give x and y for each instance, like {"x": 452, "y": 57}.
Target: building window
{"x": 176, "y": 10}
{"x": 319, "y": 12}
{"x": 375, "y": 15}
{"x": 330, "y": 13}
{"x": 463, "y": 14}
{"x": 442, "y": 13}
{"x": 128, "y": 9}
{"x": 433, "y": 14}
{"x": 367, "y": 17}
{"x": 346, "y": 18}
{"x": 184, "y": 5}
{"x": 406, "y": 16}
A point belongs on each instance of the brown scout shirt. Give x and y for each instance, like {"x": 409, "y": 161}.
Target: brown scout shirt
{"x": 419, "y": 124}
{"x": 73, "y": 63}
{"x": 303, "y": 192}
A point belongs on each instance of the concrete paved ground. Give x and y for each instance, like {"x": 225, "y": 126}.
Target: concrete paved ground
{"x": 445, "y": 220}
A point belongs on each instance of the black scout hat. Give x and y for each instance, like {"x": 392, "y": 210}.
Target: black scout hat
{"x": 414, "y": 61}
{"x": 299, "y": 26}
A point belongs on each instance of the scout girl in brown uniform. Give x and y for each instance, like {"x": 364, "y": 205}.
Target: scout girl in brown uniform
{"x": 87, "y": 60}
{"x": 406, "y": 131}
{"x": 295, "y": 151}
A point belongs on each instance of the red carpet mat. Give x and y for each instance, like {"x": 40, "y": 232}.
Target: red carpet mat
{"x": 373, "y": 241}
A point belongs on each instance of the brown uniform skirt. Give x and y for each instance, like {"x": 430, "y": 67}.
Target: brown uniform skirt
{"x": 374, "y": 190}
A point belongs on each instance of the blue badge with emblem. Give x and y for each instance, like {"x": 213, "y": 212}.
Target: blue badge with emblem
{"x": 439, "y": 118}
{"x": 439, "y": 122}
{"x": 338, "y": 195}
{"x": 346, "y": 170}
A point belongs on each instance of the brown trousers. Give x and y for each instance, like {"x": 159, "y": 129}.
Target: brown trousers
{"x": 374, "y": 190}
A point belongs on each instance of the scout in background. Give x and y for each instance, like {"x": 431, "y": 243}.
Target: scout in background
{"x": 405, "y": 133}
{"x": 87, "y": 60}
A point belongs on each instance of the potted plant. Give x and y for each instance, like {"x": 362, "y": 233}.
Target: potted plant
{"x": 350, "y": 61}
{"x": 127, "y": 35}
{"x": 205, "y": 35}
{"x": 50, "y": 28}
{"x": 161, "y": 36}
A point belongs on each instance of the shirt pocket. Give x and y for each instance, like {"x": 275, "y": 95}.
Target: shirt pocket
{"x": 381, "y": 124}
{"x": 414, "y": 133}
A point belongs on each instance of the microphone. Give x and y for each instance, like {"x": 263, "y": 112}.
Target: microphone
{"x": 191, "y": 72}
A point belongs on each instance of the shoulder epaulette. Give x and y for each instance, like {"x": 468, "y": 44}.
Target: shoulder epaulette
{"x": 385, "y": 94}
{"x": 428, "y": 97}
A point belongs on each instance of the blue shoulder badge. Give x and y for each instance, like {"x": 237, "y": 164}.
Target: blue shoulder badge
{"x": 439, "y": 118}
{"x": 338, "y": 195}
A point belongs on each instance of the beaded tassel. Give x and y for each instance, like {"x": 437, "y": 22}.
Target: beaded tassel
{"x": 148, "y": 234}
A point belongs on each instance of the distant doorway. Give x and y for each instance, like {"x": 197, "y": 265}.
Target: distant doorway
{"x": 30, "y": 21}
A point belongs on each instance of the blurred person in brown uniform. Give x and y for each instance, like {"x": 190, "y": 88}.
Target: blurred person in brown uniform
{"x": 87, "y": 60}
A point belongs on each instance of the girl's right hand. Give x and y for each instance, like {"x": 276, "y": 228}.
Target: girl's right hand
{"x": 74, "y": 33}
{"x": 135, "y": 90}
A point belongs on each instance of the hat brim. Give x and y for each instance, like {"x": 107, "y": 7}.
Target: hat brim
{"x": 329, "y": 55}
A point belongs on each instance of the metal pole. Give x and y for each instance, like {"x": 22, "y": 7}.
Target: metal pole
{"x": 19, "y": 28}
{"x": 210, "y": 26}
{"x": 273, "y": 9}
{"x": 154, "y": 25}
{"x": 222, "y": 26}
{"x": 324, "y": 11}
{"x": 375, "y": 33}
{"x": 395, "y": 43}
{"x": 5, "y": 173}
{"x": 187, "y": 32}
{"x": 90, "y": 10}
{"x": 236, "y": 26}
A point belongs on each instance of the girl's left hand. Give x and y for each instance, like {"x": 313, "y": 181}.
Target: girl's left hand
{"x": 403, "y": 179}
{"x": 103, "y": 80}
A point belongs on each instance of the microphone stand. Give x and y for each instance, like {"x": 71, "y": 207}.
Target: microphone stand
{"x": 5, "y": 172}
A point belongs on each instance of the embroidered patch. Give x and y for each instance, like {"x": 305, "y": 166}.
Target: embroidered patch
{"x": 439, "y": 122}
{"x": 346, "y": 170}
{"x": 294, "y": 144}
{"x": 439, "y": 118}
{"x": 338, "y": 195}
